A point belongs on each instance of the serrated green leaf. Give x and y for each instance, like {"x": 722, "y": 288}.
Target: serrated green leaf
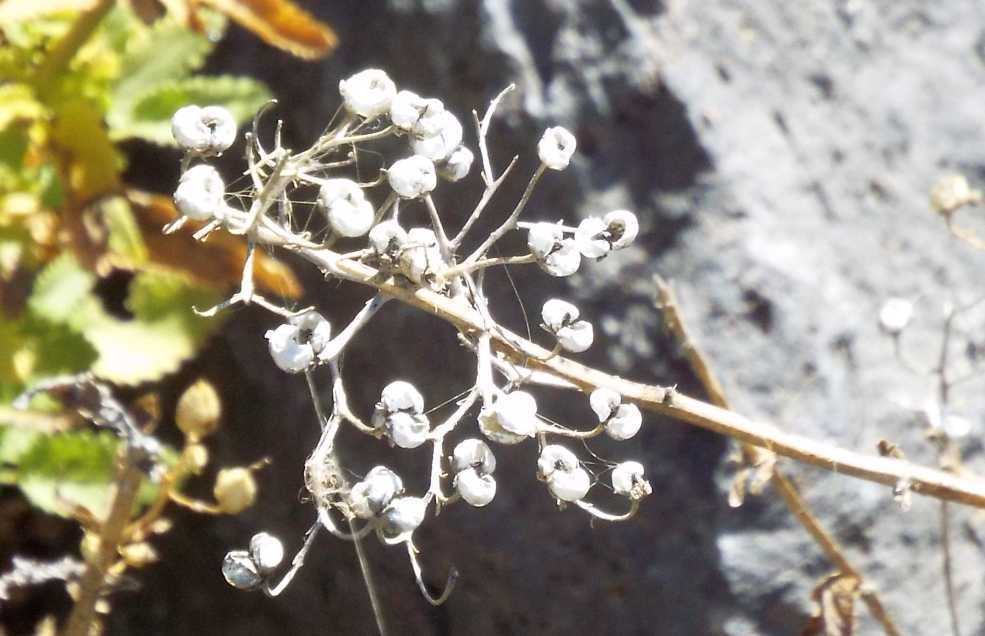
{"x": 62, "y": 293}
{"x": 123, "y": 234}
{"x": 148, "y": 116}
{"x": 69, "y": 468}
{"x": 164, "y": 52}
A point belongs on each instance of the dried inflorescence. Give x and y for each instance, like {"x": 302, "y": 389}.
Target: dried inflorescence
{"x": 366, "y": 217}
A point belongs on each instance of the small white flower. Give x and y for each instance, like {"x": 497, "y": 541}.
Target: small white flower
{"x": 570, "y": 486}
{"x": 556, "y": 147}
{"x": 387, "y": 238}
{"x": 374, "y": 493}
{"x": 473, "y": 453}
{"x": 401, "y": 396}
{"x": 421, "y": 256}
{"x": 368, "y": 93}
{"x": 406, "y": 430}
{"x": 404, "y": 515}
{"x": 266, "y": 551}
{"x": 476, "y": 489}
{"x": 288, "y": 351}
{"x": 207, "y": 131}
{"x": 313, "y": 329}
{"x": 895, "y": 315}
{"x": 412, "y": 177}
{"x": 200, "y": 193}
{"x": 561, "y": 319}
{"x": 555, "y": 457}
{"x": 627, "y": 480}
{"x": 345, "y": 204}
{"x": 240, "y": 571}
{"x": 591, "y": 238}
{"x": 408, "y": 109}
{"x": 622, "y": 227}
{"x": 456, "y": 166}
{"x": 438, "y": 144}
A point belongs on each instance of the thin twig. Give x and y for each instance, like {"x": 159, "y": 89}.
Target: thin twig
{"x": 673, "y": 320}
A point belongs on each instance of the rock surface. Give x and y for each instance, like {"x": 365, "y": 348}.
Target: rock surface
{"x": 779, "y": 156}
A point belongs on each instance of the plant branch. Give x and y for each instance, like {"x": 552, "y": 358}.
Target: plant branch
{"x": 669, "y": 308}
{"x": 662, "y": 400}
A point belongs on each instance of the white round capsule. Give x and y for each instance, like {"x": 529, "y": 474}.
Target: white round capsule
{"x": 477, "y": 490}
{"x": 207, "y": 131}
{"x": 200, "y": 193}
{"x": 404, "y": 515}
{"x": 288, "y": 352}
{"x": 556, "y": 147}
{"x": 473, "y": 453}
{"x": 412, "y": 177}
{"x": 266, "y": 551}
{"x": 368, "y": 93}
{"x": 570, "y": 485}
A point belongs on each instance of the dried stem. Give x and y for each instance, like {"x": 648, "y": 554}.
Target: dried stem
{"x": 93, "y": 581}
{"x": 673, "y": 320}
{"x": 662, "y": 400}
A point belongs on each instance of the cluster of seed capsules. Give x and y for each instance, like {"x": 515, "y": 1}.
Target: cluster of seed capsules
{"x": 509, "y": 414}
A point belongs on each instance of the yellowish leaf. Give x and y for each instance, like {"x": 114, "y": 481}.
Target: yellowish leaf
{"x": 280, "y": 23}
{"x": 92, "y": 163}
{"x": 21, "y": 10}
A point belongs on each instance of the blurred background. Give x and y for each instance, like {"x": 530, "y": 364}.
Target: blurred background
{"x": 779, "y": 157}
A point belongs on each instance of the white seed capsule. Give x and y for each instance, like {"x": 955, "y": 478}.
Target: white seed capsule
{"x": 564, "y": 261}
{"x": 288, "y": 352}
{"x": 440, "y": 143}
{"x": 592, "y": 239}
{"x": 207, "y": 131}
{"x": 627, "y": 480}
{"x": 555, "y": 457}
{"x": 477, "y": 490}
{"x": 412, "y": 177}
{"x": 408, "y": 109}
{"x": 406, "y": 430}
{"x": 557, "y": 314}
{"x": 401, "y": 396}
{"x": 404, "y": 515}
{"x": 895, "y": 315}
{"x": 370, "y": 496}
{"x": 473, "y": 453}
{"x": 368, "y": 93}
{"x": 625, "y": 422}
{"x": 421, "y": 256}
{"x": 345, "y": 205}
{"x": 604, "y": 402}
{"x": 200, "y": 193}
{"x": 456, "y": 166}
{"x": 387, "y": 238}
{"x": 313, "y": 329}
{"x": 622, "y": 227}
{"x": 577, "y": 337}
{"x": 266, "y": 551}
{"x": 516, "y": 413}
{"x": 240, "y": 571}
{"x": 544, "y": 238}
{"x": 570, "y": 485}
{"x": 556, "y": 147}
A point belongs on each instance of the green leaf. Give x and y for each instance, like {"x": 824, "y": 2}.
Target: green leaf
{"x": 148, "y": 115}
{"x": 124, "y": 238}
{"x": 62, "y": 293}
{"x": 164, "y": 52}
{"x": 15, "y": 442}
{"x": 69, "y": 468}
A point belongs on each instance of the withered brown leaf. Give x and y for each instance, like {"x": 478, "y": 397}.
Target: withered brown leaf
{"x": 218, "y": 261}
{"x": 834, "y": 606}
{"x": 280, "y": 23}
